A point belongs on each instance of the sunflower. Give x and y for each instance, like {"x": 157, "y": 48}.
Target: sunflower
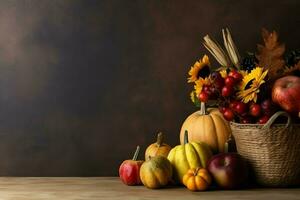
{"x": 223, "y": 73}
{"x": 249, "y": 87}
{"x": 201, "y": 69}
{"x": 193, "y": 96}
{"x": 199, "y": 84}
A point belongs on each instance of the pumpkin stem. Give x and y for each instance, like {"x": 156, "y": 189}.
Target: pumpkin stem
{"x": 202, "y": 109}
{"x": 136, "y": 153}
{"x": 196, "y": 171}
{"x": 186, "y": 137}
{"x": 160, "y": 138}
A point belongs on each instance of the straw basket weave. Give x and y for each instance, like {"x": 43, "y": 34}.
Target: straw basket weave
{"x": 272, "y": 150}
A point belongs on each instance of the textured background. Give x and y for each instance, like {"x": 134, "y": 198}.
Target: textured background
{"x": 83, "y": 82}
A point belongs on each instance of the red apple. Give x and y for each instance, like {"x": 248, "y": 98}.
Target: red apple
{"x": 286, "y": 93}
{"x": 129, "y": 170}
{"x": 230, "y": 170}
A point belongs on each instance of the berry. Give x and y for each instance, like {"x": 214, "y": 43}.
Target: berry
{"x": 240, "y": 108}
{"x": 203, "y": 97}
{"x": 228, "y": 114}
{"x": 266, "y": 105}
{"x": 227, "y": 91}
{"x": 237, "y": 76}
{"x": 255, "y": 110}
{"x": 222, "y": 109}
{"x": 263, "y": 119}
{"x": 232, "y": 104}
{"x": 229, "y": 81}
{"x": 207, "y": 89}
{"x": 218, "y": 80}
{"x": 246, "y": 120}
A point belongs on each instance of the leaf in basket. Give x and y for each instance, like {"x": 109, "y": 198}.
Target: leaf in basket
{"x": 270, "y": 55}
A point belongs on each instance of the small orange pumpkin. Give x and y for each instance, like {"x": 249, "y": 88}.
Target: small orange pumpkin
{"x": 197, "y": 179}
{"x": 159, "y": 148}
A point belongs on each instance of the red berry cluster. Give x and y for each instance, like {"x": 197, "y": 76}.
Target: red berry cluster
{"x": 230, "y": 106}
{"x": 248, "y": 113}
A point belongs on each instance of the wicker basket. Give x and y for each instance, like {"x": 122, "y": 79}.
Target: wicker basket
{"x": 272, "y": 150}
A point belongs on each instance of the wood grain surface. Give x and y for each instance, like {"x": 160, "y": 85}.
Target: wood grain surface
{"x": 92, "y": 188}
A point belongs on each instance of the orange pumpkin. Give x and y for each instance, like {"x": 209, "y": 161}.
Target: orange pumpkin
{"x": 159, "y": 148}
{"x": 207, "y": 126}
{"x": 197, "y": 179}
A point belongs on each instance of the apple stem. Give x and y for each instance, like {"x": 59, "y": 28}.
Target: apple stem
{"x": 136, "y": 153}
{"x": 202, "y": 108}
{"x": 160, "y": 138}
{"x": 186, "y": 137}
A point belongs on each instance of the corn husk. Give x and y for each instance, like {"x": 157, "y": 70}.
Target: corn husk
{"x": 231, "y": 48}
{"x": 217, "y": 51}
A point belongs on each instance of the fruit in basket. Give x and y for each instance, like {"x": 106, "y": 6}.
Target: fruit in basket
{"x": 207, "y": 126}
{"x": 263, "y": 119}
{"x": 255, "y": 110}
{"x": 240, "y": 108}
{"x": 227, "y": 91}
{"x": 188, "y": 155}
{"x": 197, "y": 179}
{"x": 229, "y": 170}
{"x": 218, "y": 80}
{"x": 159, "y": 148}
{"x": 237, "y": 76}
{"x": 246, "y": 120}
{"x": 229, "y": 81}
{"x": 268, "y": 107}
{"x": 156, "y": 172}
{"x": 129, "y": 170}
{"x": 286, "y": 93}
{"x": 228, "y": 114}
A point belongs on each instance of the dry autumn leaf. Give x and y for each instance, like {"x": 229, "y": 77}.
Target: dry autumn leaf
{"x": 270, "y": 55}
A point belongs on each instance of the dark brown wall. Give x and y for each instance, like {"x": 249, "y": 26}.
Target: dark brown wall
{"x": 83, "y": 82}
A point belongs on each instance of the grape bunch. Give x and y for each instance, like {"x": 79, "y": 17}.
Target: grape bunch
{"x": 249, "y": 62}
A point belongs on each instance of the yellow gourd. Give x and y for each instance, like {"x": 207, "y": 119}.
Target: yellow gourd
{"x": 197, "y": 179}
{"x": 158, "y": 148}
{"x": 188, "y": 155}
{"x": 207, "y": 126}
{"x": 156, "y": 172}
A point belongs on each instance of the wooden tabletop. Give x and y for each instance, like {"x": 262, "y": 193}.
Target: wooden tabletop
{"x": 13, "y": 188}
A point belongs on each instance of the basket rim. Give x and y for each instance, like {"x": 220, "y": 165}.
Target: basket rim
{"x": 236, "y": 124}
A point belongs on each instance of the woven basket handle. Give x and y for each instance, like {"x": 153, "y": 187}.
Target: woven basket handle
{"x": 275, "y": 116}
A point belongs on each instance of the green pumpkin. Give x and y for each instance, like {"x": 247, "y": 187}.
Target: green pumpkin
{"x": 156, "y": 172}
{"x": 188, "y": 155}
